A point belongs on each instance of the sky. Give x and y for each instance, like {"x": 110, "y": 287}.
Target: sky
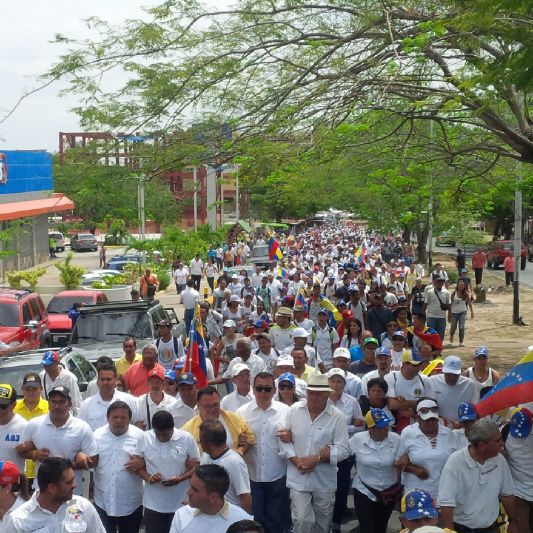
{"x": 28, "y": 26}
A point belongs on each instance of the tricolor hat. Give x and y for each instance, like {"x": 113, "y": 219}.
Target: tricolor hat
{"x": 521, "y": 422}
{"x": 418, "y": 504}
{"x": 413, "y": 356}
{"x": 432, "y": 338}
{"x": 50, "y": 357}
{"x": 9, "y": 473}
{"x": 466, "y": 411}
{"x": 377, "y": 418}
{"x": 287, "y": 376}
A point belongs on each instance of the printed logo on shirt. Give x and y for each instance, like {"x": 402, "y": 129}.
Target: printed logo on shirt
{"x": 418, "y": 392}
{"x": 12, "y": 438}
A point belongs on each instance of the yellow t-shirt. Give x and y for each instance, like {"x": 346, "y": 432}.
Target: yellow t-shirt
{"x": 122, "y": 364}
{"x": 22, "y": 409}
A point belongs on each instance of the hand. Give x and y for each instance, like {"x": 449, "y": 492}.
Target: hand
{"x": 285, "y": 435}
{"x": 308, "y": 464}
{"x": 191, "y": 462}
{"x": 325, "y": 454}
{"x": 243, "y": 439}
{"x": 41, "y": 454}
{"x": 83, "y": 461}
{"x": 174, "y": 480}
{"x": 420, "y": 472}
{"x": 402, "y": 462}
{"x": 24, "y": 447}
{"x": 358, "y": 422}
{"x": 141, "y": 424}
{"x": 155, "y": 478}
{"x": 134, "y": 464}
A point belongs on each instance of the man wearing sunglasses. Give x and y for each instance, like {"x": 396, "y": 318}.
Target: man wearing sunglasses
{"x": 267, "y": 469}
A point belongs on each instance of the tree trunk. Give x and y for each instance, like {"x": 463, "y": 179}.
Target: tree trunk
{"x": 421, "y": 230}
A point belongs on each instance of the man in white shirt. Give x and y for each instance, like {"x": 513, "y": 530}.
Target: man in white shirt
{"x": 315, "y": 439}
{"x": 12, "y": 427}
{"x": 169, "y": 348}
{"x": 216, "y": 451}
{"x": 186, "y": 407}
{"x": 266, "y": 352}
{"x": 243, "y": 349}
{"x": 197, "y": 268}
{"x": 180, "y": 275}
{"x": 94, "y": 409}
{"x": 451, "y": 388}
{"x": 256, "y": 278}
{"x": 59, "y": 434}
{"x": 207, "y": 511}
{"x": 165, "y": 451}
{"x": 267, "y": 469}
{"x": 241, "y": 395}
{"x": 324, "y": 338}
{"x": 54, "y": 507}
{"x": 282, "y": 331}
{"x": 436, "y": 297}
{"x": 474, "y": 481}
{"x": 189, "y": 298}
{"x": 118, "y": 493}
{"x": 301, "y": 321}
{"x": 354, "y": 384}
{"x": 54, "y": 374}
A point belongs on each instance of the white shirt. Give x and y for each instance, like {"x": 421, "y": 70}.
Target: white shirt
{"x": 16, "y": 504}
{"x": 520, "y": 458}
{"x": 189, "y": 520}
{"x": 269, "y": 359}
{"x": 117, "y": 491}
{"x": 31, "y": 517}
{"x": 254, "y": 363}
{"x": 183, "y": 413}
{"x": 196, "y": 267}
{"x": 367, "y": 377}
{"x": 418, "y": 447}
{"x": 350, "y": 408}
{"x": 94, "y": 409}
{"x": 72, "y": 437}
{"x": 409, "y": 389}
{"x": 375, "y": 462}
{"x": 474, "y": 489}
{"x": 147, "y": 408}
{"x": 166, "y": 352}
{"x": 263, "y": 458}
{"x": 307, "y": 324}
{"x": 354, "y": 385}
{"x": 448, "y": 397}
{"x": 181, "y": 275}
{"x": 323, "y": 340}
{"x": 309, "y": 437}
{"x": 433, "y": 309}
{"x": 232, "y": 401}
{"x": 189, "y": 297}
{"x": 66, "y": 378}
{"x": 281, "y": 338}
{"x": 168, "y": 459}
{"x": 10, "y": 437}
{"x": 239, "y": 480}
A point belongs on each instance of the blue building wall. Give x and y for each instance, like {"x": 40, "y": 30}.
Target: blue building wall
{"x": 27, "y": 171}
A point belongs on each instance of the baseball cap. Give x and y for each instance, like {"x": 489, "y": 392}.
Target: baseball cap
{"x": 9, "y": 473}
{"x": 261, "y": 324}
{"x": 156, "y": 373}
{"x": 431, "y": 406}
{"x": 521, "y": 422}
{"x": 287, "y": 376}
{"x": 31, "y": 379}
{"x": 336, "y": 372}
{"x": 299, "y": 332}
{"x": 370, "y": 340}
{"x": 323, "y": 311}
{"x": 482, "y": 351}
{"x": 466, "y": 411}
{"x": 431, "y": 337}
{"x": 238, "y": 368}
{"x": 50, "y": 357}
{"x": 165, "y": 323}
{"x": 229, "y": 324}
{"x": 264, "y": 335}
{"x": 234, "y": 298}
{"x": 398, "y": 333}
{"x": 452, "y": 365}
{"x": 187, "y": 378}
{"x": 377, "y": 418}
{"x": 7, "y": 394}
{"x": 170, "y": 374}
{"x": 286, "y": 360}
{"x": 383, "y": 352}
{"x": 342, "y": 352}
{"x": 62, "y": 390}
{"x": 413, "y": 357}
{"x": 418, "y": 504}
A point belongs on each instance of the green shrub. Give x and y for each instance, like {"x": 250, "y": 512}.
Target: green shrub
{"x": 452, "y": 277}
{"x": 164, "y": 280}
{"x": 31, "y": 277}
{"x": 69, "y": 275}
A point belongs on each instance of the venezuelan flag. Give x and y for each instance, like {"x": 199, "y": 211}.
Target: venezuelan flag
{"x": 283, "y": 272}
{"x": 195, "y": 361}
{"x": 514, "y": 388}
{"x": 300, "y": 300}
{"x": 334, "y": 312}
{"x": 274, "y": 251}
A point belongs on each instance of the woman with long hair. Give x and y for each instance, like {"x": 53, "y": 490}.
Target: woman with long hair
{"x": 461, "y": 302}
{"x": 353, "y": 334}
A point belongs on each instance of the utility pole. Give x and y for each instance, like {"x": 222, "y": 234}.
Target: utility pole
{"x": 517, "y": 247}
{"x": 237, "y": 205}
{"x": 140, "y": 205}
{"x": 430, "y": 208}
{"x": 195, "y": 197}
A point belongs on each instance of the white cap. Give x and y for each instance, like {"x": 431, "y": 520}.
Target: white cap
{"x": 452, "y": 365}
{"x": 238, "y": 368}
{"x": 229, "y": 324}
{"x": 337, "y": 372}
{"x": 286, "y": 360}
{"x": 342, "y": 352}
{"x": 299, "y": 332}
{"x": 234, "y": 298}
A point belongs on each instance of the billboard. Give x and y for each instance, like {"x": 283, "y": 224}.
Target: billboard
{"x": 25, "y": 171}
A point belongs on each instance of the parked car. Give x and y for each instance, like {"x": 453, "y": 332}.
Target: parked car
{"x": 14, "y": 367}
{"x": 59, "y": 238}
{"x": 59, "y": 323}
{"x": 23, "y": 320}
{"x": 97, "y": 275}
{"x": 100, "y": 329}
{"x": 83, "y": 241}
{"x": 259, "y": 256}
{"x": 499, "y": 250}
{"x": 133, "y": 258}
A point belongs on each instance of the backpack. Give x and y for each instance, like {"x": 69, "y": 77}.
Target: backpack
{"x": 176, "y": 350}
{"x": 314, "y": 330}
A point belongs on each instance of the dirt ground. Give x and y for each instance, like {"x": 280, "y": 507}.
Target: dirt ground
{"x": 492, "y": 325}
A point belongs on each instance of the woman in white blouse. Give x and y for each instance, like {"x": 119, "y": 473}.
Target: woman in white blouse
{"x": 375, "y": 455}
{"x": 424, "y": 449}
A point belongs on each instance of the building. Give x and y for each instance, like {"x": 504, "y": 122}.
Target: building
{"x": 26, "y": 201}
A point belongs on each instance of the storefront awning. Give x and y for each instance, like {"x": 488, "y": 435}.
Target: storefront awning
{"x": 30, "y": 208}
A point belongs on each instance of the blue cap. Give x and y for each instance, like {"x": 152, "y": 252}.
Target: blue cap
{"x": 482, "y": 351}
{"x": 50, "y": 357}
{"x": 383, "y": 352}
{"x": 323, "y": 310}
{"x": 179, "y": 365}
{"x": 520, "y": 425}
{"x": 341, "y": 302}
{"x": 170, "y": 374}
{"x": 187, "y": 378}
{"x": 418, "y": 504}
{"x": 466, "y": 411}
{"x": 377, "y": 418}
{"x": 287, "y": 376}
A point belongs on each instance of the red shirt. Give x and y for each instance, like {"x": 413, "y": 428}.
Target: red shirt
{"x": 508, "y": 264}
{"x": 479, "y": 259}
{"x": 136, "y": 378}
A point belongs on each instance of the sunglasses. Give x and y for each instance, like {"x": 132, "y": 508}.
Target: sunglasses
{"x": 426, "y": 410}
{"x": 286, "y": 387}
{"x": 267, "y": 388}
